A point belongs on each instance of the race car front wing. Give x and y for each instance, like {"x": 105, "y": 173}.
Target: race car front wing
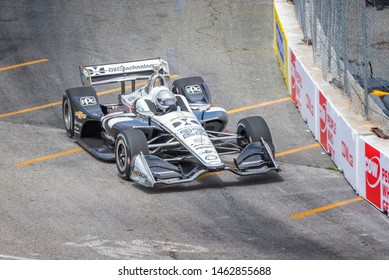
{"x": 150, "y": 171}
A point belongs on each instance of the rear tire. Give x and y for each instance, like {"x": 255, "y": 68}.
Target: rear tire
{"x": 252, "y": 129}
{"x": 68, "y": 116}
{"x": 129, "y": 143}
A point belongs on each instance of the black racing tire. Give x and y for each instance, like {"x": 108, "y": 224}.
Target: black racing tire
{"x": 128, "y": 144}
{"x": 68, "y": 116}
{"x": 252, "y": 129}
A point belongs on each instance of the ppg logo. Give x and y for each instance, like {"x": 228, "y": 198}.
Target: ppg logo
{"x": 193, "y": 89}
{"x": 88, "y": 101}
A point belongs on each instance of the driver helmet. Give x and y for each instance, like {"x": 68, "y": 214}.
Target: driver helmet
{"x": 164, "y": 99}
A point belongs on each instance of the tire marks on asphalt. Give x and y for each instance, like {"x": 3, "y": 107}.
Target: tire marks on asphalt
{"x": 136, "y": 249}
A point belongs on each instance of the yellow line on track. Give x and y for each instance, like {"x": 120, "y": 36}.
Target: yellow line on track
{"x": 57, "y": 103}
{"x": 292, "y": 151}
{"x": 325, "y": 208}
{"x": 60, "y": 102}
{"x": 30, "y": 109}
{"x": 28, "y": 162}
{"x": 23, "y": 64}
{"x": 233, "y": 111}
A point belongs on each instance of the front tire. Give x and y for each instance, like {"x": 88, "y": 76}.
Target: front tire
{"x": 252, "y": 129}
{"x": 129, "y": 143}
{"x": 68, "y": 116}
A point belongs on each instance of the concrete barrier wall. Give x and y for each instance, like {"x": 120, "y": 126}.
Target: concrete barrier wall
{"x": 344, "y": 135}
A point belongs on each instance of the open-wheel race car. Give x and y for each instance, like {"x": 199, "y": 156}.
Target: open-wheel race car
{"x": 161, "y": 135}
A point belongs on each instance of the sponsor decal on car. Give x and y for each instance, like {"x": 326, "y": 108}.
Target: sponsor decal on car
{"x": 190, "y": 132}
{"x": 193, "y": 89}
{"x": 88, "y": 101}
{"x": 211, "y": 157}
{"x": 139, "y": 176}
{"x": 185, "y": 121}
{"x": 96, "y": 71}
{"x": 207, "y": 152}
{"x": 123, "y": 69}
{"x": 202, "y": 147}
{"x": 80, "y": 115}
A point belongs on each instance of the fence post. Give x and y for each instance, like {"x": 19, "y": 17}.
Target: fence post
{"x": 345, "y": 10}
{"x": 365, "y": 62}
{"x": 314, "y": 28}
{"x": 303, "y": 20}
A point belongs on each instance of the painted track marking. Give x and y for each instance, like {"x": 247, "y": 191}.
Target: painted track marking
{"x": 233, "y": 111}
{"x": 23, "y": 64}
{"x": 292, "y": 151}
{"x": 8, "y": 257}
{"x": 31, "y": 161}
{"x": 326, "y": 207}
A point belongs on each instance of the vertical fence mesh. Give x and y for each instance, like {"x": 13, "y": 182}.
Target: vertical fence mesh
{"x": 350, "y": 40}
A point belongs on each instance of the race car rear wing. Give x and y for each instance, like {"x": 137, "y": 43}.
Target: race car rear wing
{"x": 122, "y": 72}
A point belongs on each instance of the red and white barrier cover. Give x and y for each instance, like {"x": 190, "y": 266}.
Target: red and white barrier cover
{"x": 347, "y": 154}
{"x": 326, "y": 123}
{"x": 364, "y": 159}
{"x": 322, "y": 137}
{"x": 303, "y": 91}
{"x": 330, "y": 124}
{"x": 374, "y": 173}
{"x": 292, "y": 73}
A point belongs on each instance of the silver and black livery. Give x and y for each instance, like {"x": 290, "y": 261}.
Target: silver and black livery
{"x": 161, "y": 135}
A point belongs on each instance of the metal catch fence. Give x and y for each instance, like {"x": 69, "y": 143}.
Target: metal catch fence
{"x": 350, "y": 39}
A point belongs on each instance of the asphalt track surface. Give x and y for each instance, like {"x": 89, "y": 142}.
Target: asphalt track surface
{"x": 68, "y": 205}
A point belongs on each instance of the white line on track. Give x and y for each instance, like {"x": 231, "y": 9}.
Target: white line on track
{"x": 8, "y": 257}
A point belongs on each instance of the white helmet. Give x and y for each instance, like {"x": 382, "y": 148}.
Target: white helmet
{"x": 164, "y": 98}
